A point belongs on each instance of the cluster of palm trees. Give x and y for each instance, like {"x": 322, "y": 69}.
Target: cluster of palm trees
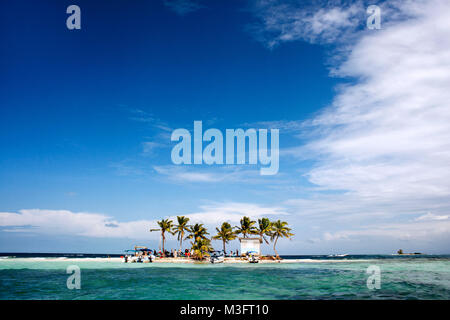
{"x": 201, "y": 244}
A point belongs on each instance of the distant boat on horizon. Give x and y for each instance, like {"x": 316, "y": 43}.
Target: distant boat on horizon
{"x": 401, "y": 253}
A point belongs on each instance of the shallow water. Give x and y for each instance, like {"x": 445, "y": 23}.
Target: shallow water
{"x": 401, "y": 278}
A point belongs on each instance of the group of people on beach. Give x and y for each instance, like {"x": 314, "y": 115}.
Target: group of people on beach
{"x": 147, "y": 255}
{"x": 173, "y": 253}
{"x": 188, "y": 253}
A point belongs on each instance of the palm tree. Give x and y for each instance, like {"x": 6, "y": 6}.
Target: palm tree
{"x": 166, "y": 225}
{"x": 279, "y": 230}
{"x": 181, "y": 228}
{"x": 201, "y": 244}
{"x": 225, "y": 233}
{"x": 200, "y": 247}
{"x": 246, "y": 227}
{"x": 264, "y": 229}
{"x": 197, "y": 232}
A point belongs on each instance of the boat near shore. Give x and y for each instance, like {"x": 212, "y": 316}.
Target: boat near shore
{"x": 138, "y": 255}
{"x": 217, "y": 257}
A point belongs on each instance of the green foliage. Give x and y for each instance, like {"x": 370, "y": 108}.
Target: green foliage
{"x": 225, "y": 233}
{"x": 201, "y": 245}
{"x": 247, "y": 227}
{"x": 201, "y": 248}
{"x": 166, "y": 225}
{"x": 264, "y": 229}
{"x": 279, "y": 229}
{"x": 181, "y": 228}
{"x": 197, "y": 231}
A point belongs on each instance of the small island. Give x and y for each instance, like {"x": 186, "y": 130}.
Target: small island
{"x": 200, "y": 248}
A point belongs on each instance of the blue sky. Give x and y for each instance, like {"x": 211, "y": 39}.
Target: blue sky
{"x": 86, "y": 117}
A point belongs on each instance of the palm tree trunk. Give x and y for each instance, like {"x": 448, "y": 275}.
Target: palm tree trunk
{"x": 163, "y": 240}
{"x": 181, "y": 241}
{"x": 274, "y": 245}
{"x": 223, "y": 246}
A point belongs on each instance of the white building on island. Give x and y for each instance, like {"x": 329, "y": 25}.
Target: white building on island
{"x": 250, "y": 245}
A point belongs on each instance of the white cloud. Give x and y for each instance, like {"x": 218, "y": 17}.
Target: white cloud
{"x": 145, "y": 117}
{"x": 64, "y": 222}
{"x": 390, "y": 132}
{"x": 180, "y": 174}
{"x": 149, "y": 147}
{"x": 383, "y": 147}
{"x": 281, "y": 21}
{"x": 284, "y": 126}
{"x": 216, "y": 213}
{"x": 431, "y": 217}
{"x": 209, "y": 175}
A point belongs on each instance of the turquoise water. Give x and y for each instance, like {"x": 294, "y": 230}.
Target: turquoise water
{"x": 401, "y": 278}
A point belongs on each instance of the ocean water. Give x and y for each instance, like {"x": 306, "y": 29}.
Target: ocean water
{"x": 304, "y": 277}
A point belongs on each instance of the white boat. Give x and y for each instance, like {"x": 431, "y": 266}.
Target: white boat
{"x": 217, "y": 257}
{"x": 137, "y": 256}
